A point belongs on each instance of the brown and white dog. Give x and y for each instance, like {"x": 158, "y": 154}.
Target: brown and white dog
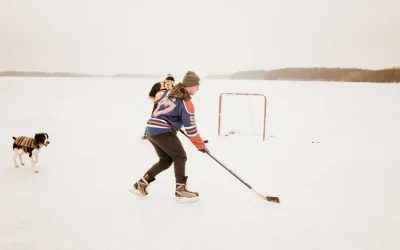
{"x": 29, "y": 146}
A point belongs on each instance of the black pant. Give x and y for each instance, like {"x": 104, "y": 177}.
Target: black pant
{"x": 170, "y": 150}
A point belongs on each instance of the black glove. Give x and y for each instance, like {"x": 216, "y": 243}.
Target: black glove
{"x": 205, "y": 150}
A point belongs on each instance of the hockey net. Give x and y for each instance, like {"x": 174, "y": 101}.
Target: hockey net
{"x": 242, "y": 114}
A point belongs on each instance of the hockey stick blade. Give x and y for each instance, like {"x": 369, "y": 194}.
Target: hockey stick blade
{"x": 267, "y": 198}
{"x": 272, "y": 199}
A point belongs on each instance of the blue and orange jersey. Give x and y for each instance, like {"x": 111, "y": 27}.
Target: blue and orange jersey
{"x": 171, "y": 115}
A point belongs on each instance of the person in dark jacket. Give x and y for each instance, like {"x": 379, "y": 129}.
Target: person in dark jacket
{"x": 157, "y": 91}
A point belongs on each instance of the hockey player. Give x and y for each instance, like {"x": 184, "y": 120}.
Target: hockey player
{"x": 175, "y": 109}
{"x": 158, "y": 90}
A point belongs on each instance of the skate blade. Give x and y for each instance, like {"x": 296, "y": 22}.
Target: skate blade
{"x": 186, "y": 200}
{"x": 135, "y": 192}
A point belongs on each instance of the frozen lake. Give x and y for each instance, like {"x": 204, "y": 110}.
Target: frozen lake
{"x": 331, "y": 155}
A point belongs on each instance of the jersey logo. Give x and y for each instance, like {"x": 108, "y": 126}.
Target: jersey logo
{"x": 167, "y": 105}
{"x": 165, "y": 85}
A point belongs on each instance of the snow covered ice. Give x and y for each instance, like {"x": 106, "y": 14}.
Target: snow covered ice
{"x": 340, "y": 193}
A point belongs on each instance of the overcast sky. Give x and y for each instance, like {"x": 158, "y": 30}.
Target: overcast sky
{"x": 207, "y": 36}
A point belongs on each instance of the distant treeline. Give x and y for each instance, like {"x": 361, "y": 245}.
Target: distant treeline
{"x": 323, "y": 74}
{"x": 391, "y": 75}
{"x": 250, "y": 75}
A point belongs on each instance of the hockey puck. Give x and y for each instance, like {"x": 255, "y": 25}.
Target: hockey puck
{"x": 205, "y": 141}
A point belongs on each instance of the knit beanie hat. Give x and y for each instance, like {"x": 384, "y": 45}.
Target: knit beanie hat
{"x": 190, "y": 79}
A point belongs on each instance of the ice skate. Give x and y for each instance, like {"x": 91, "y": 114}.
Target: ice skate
{"x": 140, "y": 188}
{"x": 183, "y": 195}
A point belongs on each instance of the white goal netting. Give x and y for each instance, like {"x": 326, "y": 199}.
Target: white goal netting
{"x": 242, "y": 114}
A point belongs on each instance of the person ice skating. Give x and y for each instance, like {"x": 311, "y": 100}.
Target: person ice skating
{"x": 157, "y": 91}
{"x": 159, "y": 88}
{"x": 174, "y": 110}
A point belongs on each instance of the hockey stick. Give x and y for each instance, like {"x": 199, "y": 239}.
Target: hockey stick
{"x": 268, "y": 198}
{"x": 180, "y": 130}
